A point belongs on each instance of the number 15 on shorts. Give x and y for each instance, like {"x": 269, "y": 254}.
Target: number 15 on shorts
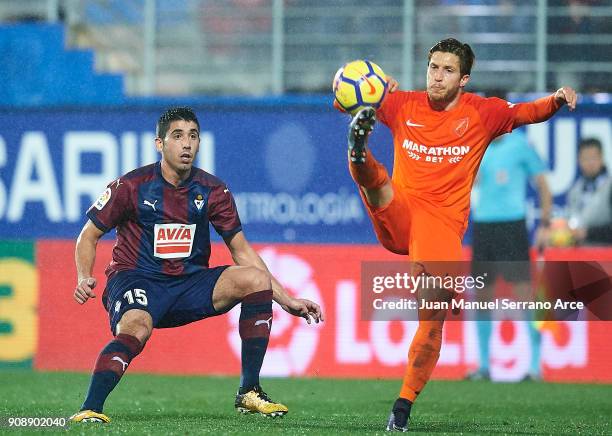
{"x": 136, "y": 295}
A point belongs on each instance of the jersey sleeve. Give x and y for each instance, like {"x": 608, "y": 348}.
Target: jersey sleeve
{"x": 387, "y": 111}
{"x": 222, "y": 212}
{"x": 112, "y": 206}
{"x": 500, "y": 116}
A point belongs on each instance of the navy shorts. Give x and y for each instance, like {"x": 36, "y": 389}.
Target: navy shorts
{"x": 171, "y": 301}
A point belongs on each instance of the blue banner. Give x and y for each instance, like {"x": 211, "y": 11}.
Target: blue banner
{"x": 286, "y": 165}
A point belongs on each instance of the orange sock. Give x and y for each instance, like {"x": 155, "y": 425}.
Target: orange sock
{"x": 371, "y": 174}
{"x": 422, "y": 358}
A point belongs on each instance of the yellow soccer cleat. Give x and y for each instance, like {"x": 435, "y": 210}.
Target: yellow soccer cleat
{"x": 257, "y": 401}
{"x": 89, "y": 416}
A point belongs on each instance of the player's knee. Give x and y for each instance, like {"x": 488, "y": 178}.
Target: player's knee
{"x": 251, "y": 280}
{"x": 258, "y": 280}
{"x": 247, "y": 280}
{"x": 137, "y": 323}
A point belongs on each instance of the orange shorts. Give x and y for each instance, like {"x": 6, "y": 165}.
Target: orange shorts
{"x": 409, "y": 225}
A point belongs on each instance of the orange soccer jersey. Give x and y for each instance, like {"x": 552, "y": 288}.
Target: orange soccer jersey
{"x": 437, "y": 153}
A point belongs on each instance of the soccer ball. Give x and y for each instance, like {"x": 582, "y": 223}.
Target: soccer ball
{"x": 358, "y": 84}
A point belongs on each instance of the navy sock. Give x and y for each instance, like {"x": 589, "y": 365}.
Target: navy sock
{"x": 110, "y": 366}
{"x": 254, "y": 327}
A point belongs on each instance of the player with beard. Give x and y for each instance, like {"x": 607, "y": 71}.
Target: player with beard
{"x": 440, "y": 136}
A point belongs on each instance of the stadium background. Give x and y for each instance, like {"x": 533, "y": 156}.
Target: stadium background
{"x": 84, "y": 83}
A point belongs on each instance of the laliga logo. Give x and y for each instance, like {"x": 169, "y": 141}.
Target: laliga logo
{"x": 300, "y": 339}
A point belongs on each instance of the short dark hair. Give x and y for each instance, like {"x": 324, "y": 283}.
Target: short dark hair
{"x": 463, "y": 51}
{"x": 590, "y": 142}
{"x": 174, "y": 114}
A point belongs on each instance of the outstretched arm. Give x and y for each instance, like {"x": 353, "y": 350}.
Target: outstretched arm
{"x": 85, "y": 257}
{"x": 543, "y": 108}
{"x": 244, "y": 255}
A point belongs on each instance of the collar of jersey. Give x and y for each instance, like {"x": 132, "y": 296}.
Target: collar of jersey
{"x": 185, "y": 182}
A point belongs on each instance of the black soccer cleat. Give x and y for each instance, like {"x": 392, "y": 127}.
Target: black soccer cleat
{"x": 400, "y": 415}
{"x": 360, "y": 128}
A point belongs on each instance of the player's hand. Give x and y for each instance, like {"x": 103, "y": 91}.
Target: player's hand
{"x": 567, "y": 95}
{"x": 393, "y": 84}
{"x": 304, "y": 308}
{"x": 84, "y": 290}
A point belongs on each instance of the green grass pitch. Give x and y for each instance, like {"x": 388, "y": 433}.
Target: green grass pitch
{"x": 166, "y": 405}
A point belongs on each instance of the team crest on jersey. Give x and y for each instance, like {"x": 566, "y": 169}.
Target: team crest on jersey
{"x": 199, "y": 201}
{"x": 173, "y": 241}
{"x": 461, "y": 126}
{"x": 103, "y": 199}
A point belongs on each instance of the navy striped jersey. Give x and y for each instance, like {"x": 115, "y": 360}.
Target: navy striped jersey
{"x": 161, "y": 228}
